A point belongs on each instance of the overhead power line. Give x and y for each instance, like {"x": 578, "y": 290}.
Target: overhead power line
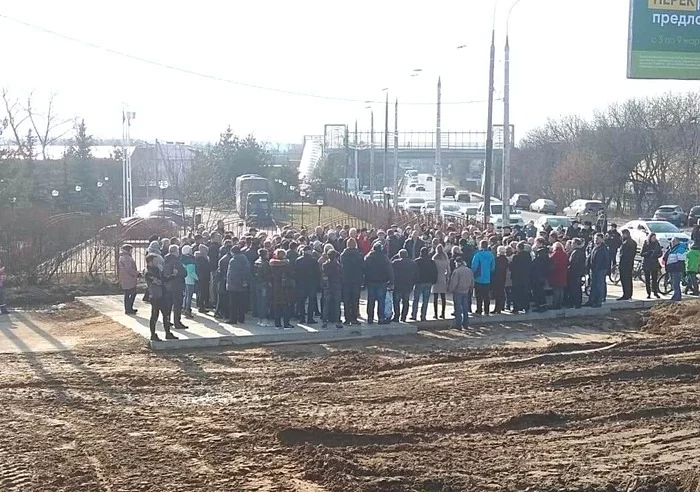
{"x": 217, "y": 78}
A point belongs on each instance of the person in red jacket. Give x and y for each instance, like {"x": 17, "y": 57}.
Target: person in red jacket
{"x": 557, "y": 274}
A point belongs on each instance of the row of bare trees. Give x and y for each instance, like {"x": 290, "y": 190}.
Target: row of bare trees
{"x": 634, "y": 155}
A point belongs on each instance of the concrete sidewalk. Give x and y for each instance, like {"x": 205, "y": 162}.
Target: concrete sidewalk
{"x": 206, "y": 331}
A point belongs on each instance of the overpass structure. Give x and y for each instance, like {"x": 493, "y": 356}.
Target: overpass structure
{"x": 462, "y": 152}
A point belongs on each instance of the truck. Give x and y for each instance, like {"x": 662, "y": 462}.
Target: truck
{"x": 253, "y": 199}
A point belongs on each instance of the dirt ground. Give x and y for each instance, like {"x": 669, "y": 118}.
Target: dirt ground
{"x": 433, "y": 412}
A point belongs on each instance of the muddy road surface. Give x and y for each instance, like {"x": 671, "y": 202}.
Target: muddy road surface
{"x": 616, "y": 408}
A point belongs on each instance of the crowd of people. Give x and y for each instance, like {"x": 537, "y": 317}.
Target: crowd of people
{"x": 308, "y": 274}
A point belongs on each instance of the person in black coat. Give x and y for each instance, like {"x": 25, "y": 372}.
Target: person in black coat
{"x": 222, "y": 271}
{"x": 628, "y": 251}
{"x": 308, "y": 275}
{"x": 378, "y": 275}
{"x": 614, "y": 240}
{"x": 520, "y": 269}
{"x": 575, "y": 271}
{"x": 541, "y": 265}
{"x": 352, "y": 262}
{"x": 202, "y": 266}
{"x": 405, "y": 275}
{"x": 651, "y": 252}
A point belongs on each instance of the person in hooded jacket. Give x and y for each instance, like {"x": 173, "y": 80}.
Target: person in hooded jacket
{"x": 128, "y": 278}
{"x": 352, "y": 262}
{"x": 520, "y": 269}
{"x": 283, "y": 285}
{"x": 558, "y": 274}
{"x": 203, "y": 287}
{"x": 541, "y": 266}
{"x": 153, "y": 249}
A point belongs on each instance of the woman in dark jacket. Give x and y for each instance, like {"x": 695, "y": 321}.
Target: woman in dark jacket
{"x": 498, "y": 281}
{"x": 520, "y": 269}
{"x": 283, "y": 294}
{"x": 651, "y": 252}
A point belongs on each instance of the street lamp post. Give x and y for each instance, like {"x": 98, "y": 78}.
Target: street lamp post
{"x": 319, "y": 203}
{"x": 371, "y": 154}
{"x": 163, "y": 185}
{"x": 54, "y": 195}
{"x": 438, "y": 150}
{"x": 396, "y": 155}
{"x": 302, "y": 193}
{"x": 505, "y": 187}
{"x": 488, "y": 161}
{"x": 386, "y": 140}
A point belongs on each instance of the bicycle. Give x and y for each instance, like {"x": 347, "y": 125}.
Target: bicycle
{"x": 637, "y": 271}
{"x": 665, "y": 286}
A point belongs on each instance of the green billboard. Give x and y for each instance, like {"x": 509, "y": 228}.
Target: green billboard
{"x": 664, "y": 40}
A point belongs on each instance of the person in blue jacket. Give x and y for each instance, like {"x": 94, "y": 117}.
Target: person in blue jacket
{"x": 483, "y": 265}
{"x": 598, "y": 264}
{"x": 674, "y": 259}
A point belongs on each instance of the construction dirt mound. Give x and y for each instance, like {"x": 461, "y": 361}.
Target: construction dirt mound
{"x": 597, "y": 404}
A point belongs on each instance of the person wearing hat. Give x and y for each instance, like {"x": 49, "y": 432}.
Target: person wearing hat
{"x": 128, "y": 278}
{"x": 307, "y": 272}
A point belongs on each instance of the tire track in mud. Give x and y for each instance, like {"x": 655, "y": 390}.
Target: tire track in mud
{"x": 15, "y": 476}
{"x": 663, "y": 371}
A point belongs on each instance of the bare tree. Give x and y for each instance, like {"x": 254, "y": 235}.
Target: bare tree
{"x": 47, "y": 126}
{"x": 14, "y": 119}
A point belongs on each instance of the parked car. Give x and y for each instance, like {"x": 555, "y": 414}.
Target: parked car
{"x": 664, "y": 230}
{"x": 671, "y": 213}
{"x": 463, "y": 196}
{"x": 429, "y": 178}
{"x": 449, "y": 191}
{"x": 412, "y": 185}
{"x": 694, "y": 215}
{"x": 414, "y": 204}
{"x": 450, "y": 210}
{"x": 428, "y": 208}
{"x": 400, "y": 201}
{"x": 544, "y": 206}
{"x": 420, "y": 188}
{"x": 553, "y": 221}
{"x": 520, "y": 200}
{"x": 496, "y": 215}
{"x": 584, "y": 210}
{"x": 469, "y": 209}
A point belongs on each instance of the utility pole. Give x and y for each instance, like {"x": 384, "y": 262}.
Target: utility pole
{"x": 488, "y": 162}
{"x": 385, "y": 181}
{"x": 371, "y": 155}
{"x": 505, "y": 186}
{"x": 127, "y": 116}
{"x": 438, "y": 153}
{"x": 346, "y": 142}
{"x": 396, "y": 155}
{"x": 357, "y": 163}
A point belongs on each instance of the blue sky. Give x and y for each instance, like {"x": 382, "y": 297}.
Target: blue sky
{"x": 567, "y": 57}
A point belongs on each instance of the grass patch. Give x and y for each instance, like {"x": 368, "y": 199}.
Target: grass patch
{"x": 293, "y": 215}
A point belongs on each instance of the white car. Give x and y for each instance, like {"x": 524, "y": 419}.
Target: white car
{"x": 496, "y": 215}
{"x": 469, "y": 209}
{"x": 451, "y": 210}
{"x": 428, "y": 208}
{"x": 401, "y": 201}
{"x": 665, "y": 231}
{"x": 414, "y": 204}
{"x": 554, "y": 221}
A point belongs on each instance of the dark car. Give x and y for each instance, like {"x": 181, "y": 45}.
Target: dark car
{"x": 694, "y": 215}
{"x": 671, "y": 213}
{"x": 520, "y": 200}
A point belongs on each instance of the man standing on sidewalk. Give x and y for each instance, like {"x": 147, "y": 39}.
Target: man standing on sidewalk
{"x": 461, "y": 283}
{"x": 598, "y": 263}
{"x": 628, "y": 251}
